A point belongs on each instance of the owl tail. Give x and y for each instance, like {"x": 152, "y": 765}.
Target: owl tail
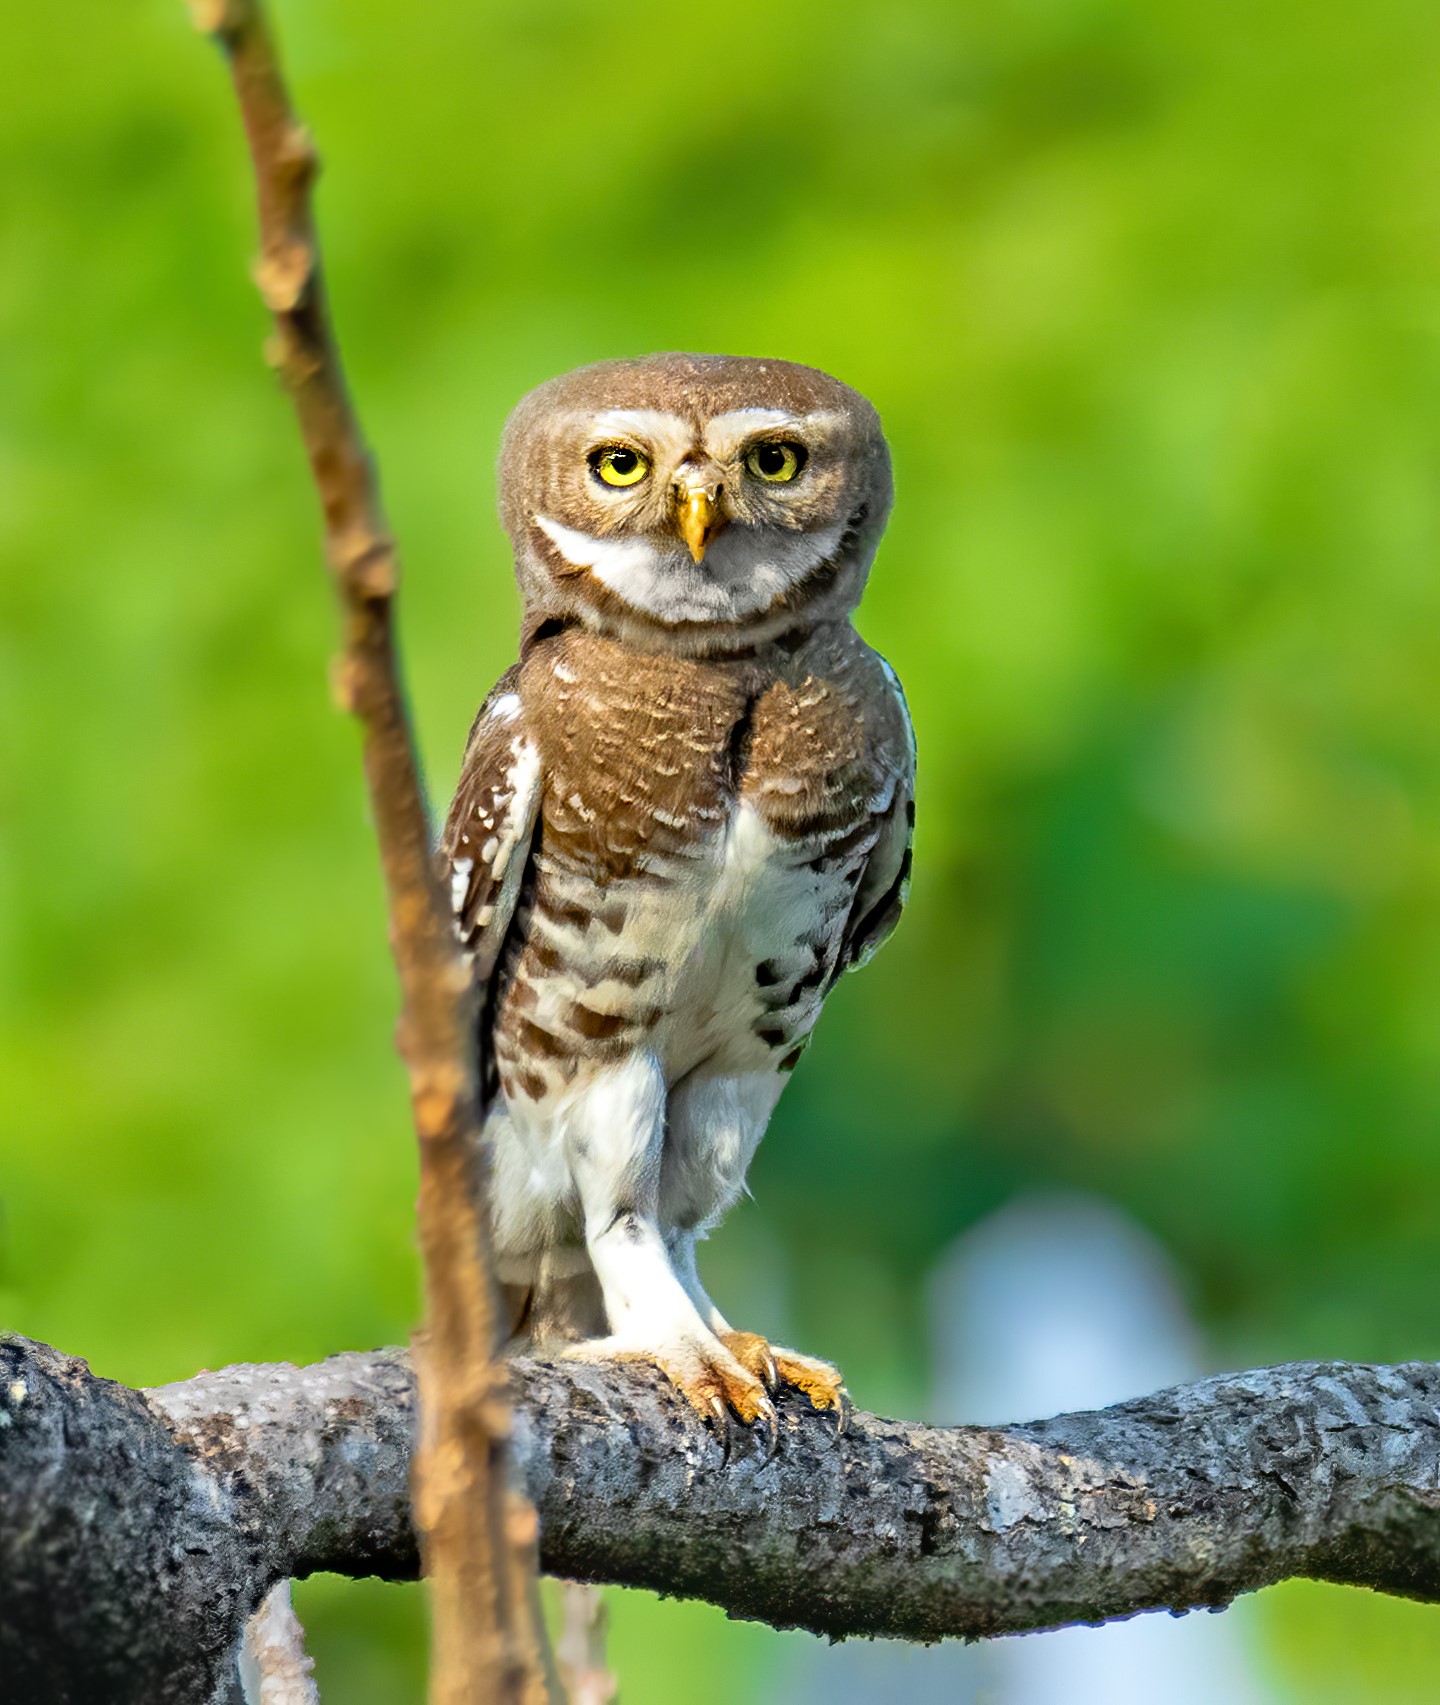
{"x": 555, "y": 1308}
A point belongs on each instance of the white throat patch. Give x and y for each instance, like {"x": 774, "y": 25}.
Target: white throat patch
{"x": 744, "y": 571}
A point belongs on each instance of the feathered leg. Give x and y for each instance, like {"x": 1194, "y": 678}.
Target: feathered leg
{"x": 614, "y": 1131}
{"x": 715, "y": 1127}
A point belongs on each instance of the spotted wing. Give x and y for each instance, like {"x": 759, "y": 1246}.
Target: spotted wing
{"x": 487, "y": 837}
{"x": 885, "y": 881}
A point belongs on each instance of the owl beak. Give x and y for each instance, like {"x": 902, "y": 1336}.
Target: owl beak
{"x": 699, "y": 518}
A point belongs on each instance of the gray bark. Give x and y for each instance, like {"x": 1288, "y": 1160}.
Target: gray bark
{"x": 139, "y": 1530}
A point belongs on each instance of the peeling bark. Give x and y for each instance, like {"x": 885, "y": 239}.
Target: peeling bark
{"x": 138, "y": 1531}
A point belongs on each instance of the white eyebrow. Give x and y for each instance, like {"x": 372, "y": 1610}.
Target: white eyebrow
{"x": 751, "y": 420}
{"x": 658, "y": 425}
{"x": 725, "y": 433}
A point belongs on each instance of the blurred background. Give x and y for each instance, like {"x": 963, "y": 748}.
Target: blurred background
{"x": 1147, "y": 297}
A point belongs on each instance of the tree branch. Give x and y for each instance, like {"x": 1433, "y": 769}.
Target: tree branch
{"x": 138, "y": 1531}
{"x": 487, "y": 1634}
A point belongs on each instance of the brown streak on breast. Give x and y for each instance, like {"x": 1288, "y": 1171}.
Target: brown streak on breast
{"x": 533, "y": 1040}
{"x": 632, "y": 972}
{"x": 565, "y": 912}
{"x": 544, "y": 955}
{"x": 595, "y": 1026}
{"x": 530, "y": 1084}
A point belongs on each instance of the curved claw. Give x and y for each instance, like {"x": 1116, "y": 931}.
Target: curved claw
{"x": 732, "y": 1430}
{"x": 755, "y": 1356}
{"x": 844, "y": 1408}
{"x": 819, "y": 1382}
{"x": 727, "y": 1395}
{"x": 723, "y": 1424}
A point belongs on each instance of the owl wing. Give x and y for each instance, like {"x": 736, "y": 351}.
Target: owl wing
{"x": 885, "y": 881}
{"x": 486, "y": 842}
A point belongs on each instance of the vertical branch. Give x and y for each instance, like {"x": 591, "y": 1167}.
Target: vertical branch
{"x": 487, "y": 1642}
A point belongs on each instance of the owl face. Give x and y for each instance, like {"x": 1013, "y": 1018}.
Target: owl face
{"x": 696, "y": 502}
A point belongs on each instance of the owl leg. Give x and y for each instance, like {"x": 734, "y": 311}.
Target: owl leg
{"x": 614, "y": 1133}
{"x": 716, "y": 1124}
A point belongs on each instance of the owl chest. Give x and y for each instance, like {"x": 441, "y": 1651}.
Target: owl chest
{"x": 655, "y": 766}
{"x": 702, "y": 830}
{"x": 716, "y": 959}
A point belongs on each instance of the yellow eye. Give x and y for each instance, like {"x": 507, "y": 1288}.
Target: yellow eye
{"x": 775, "y": 462}
{"x": 618, "y": 464}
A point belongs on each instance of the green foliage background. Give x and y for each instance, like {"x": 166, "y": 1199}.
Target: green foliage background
{"x": 1147, "y": 297}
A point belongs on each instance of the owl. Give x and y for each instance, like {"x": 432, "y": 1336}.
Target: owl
{"x": 683, "y": 814}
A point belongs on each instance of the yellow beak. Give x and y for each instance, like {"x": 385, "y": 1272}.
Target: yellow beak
{"x": 698, "y": 519}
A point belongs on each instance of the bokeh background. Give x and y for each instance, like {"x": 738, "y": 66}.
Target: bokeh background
{"x": 1147, "y": 296}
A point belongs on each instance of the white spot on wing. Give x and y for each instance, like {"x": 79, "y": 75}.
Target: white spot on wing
{"x": 525, "y": 771}
{"x": 515, "y": 800}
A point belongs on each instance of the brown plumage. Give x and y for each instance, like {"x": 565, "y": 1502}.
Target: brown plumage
{"x": 682, "y": 814}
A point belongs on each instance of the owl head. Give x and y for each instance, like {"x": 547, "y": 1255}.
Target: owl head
{"x": 694, "y": 503}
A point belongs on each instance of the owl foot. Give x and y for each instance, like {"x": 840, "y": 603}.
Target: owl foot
{"x": 721, "y": 1390}
{"x": 821, "y": 1383}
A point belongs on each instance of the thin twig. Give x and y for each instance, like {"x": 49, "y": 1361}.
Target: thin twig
{"x": 488, "y": 1642}
{"x": 580, "y": 1649}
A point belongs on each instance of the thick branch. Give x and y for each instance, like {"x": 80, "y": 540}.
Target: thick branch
{"x": 138, "y": 1531}
{"x": 1183, "y": 1499}
{"x": 487, "y": 1635}
{"x": 1186, "y": 1498}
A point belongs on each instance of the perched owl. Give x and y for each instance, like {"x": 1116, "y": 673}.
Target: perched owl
{"x": 683, "y": 813}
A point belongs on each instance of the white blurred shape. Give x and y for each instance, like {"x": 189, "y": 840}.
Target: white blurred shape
{"x": 1055, "y": 1303}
